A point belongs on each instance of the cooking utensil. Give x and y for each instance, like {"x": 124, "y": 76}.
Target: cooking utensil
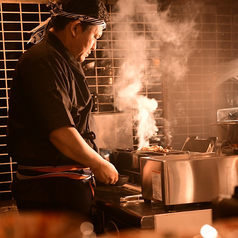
{"x": 122, "y": 179}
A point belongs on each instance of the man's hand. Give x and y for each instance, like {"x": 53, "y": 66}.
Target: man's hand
{"x": 106, "y": 173}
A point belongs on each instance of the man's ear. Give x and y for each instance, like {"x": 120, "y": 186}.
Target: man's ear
{"x": 75, "y": 27}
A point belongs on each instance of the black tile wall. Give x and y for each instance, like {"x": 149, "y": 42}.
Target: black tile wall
{"x": 211, "y": 82}
{"x": 16, "y": 20}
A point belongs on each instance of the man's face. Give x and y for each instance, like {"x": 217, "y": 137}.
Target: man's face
{"x": 85, "y": 42}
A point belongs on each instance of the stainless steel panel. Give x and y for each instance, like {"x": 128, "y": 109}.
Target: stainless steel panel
{"x": 147, "y": 166}
{"x": 228, "y": 174}
{"x": 180, "y": 179}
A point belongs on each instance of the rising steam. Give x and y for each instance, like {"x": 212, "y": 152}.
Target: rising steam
{"x": 131, "y": 48}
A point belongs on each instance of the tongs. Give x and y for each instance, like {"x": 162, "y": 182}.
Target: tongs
{"x": 131, "y": 198}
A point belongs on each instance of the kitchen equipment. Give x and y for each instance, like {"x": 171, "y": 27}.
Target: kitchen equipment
{"x": 227, "y": 114}
{"x": 178, "y": 179}
{"x": 195, "y": 144}
{"x": 127, "y": 161}
{"x": 225, "y": 147}
{"x": 122, "y": 179}
{"x": 226, "y": 130}
{"x": 188, "y": 178}
{"x": 228, "y": 173}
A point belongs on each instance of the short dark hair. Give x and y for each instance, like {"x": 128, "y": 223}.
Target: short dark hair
{"x": 92, "y": 8}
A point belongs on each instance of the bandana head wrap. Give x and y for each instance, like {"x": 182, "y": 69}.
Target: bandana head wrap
{"x": 57, "y": 10}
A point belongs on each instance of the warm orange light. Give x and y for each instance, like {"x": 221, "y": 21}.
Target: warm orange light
{"x": 208, "y": 232}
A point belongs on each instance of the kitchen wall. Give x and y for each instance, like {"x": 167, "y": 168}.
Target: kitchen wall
{"x": 210, "y": 82}
{"x": 190, "y": 64}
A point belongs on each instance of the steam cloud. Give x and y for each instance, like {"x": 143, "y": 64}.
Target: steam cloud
{"x": 133, "y": 47}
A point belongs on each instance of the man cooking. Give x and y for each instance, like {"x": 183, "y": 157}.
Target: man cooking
{"x": 50, "y": 127}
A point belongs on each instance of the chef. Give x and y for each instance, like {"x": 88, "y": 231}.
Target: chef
{"x": 50, "y": 127}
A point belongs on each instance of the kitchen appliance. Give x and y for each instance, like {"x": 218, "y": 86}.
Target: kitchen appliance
{"x": 227, "y": 114}
{"x": 180, "y": 179}
{"x": 197, "y": 177}
{"x": 189, "y": 178}
{"x": 196, "y": 144}
{"x": 226, "y": 130}
{"x": 127, "y": 161}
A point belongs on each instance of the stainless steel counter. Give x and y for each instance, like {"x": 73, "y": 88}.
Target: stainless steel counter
{"x": 135, "y": 213}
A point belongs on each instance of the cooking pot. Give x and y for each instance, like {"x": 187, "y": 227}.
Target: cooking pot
{"x": 122, "y": 179}
{"x": 226, "y": 131}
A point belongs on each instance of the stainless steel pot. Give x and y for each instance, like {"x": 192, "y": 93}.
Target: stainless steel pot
{"x": 227, "y": 138}
{"x": 226, "y": 131}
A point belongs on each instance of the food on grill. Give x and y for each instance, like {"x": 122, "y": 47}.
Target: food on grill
{"x": 155, "y": 148}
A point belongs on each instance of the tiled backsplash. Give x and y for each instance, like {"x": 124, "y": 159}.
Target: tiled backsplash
{"x": 187, "y": 59}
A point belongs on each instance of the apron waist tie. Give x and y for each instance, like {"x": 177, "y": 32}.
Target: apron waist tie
{"x": 77, "y": 172}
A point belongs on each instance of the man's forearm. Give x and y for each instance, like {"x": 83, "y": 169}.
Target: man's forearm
{"x": 70, "y": 143}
